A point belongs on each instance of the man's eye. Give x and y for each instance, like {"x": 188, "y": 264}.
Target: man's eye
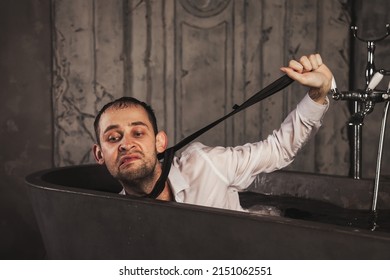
{"x": 138, "y": 133}
{"x": 113, "y": 138}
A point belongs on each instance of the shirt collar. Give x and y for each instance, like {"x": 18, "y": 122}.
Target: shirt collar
{"x": 177, "y": 183}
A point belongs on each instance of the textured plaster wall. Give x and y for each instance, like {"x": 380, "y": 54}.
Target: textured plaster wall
{"x": 25, "y": 120}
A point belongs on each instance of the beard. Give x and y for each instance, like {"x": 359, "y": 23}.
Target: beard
{"x": 139, "y": 179}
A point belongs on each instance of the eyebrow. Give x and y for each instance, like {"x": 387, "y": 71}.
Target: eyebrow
{"x": 115, "y": 126}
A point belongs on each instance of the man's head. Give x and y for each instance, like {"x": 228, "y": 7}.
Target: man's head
{"x": 128, "y": 142}
{"x": 124, "y": 102}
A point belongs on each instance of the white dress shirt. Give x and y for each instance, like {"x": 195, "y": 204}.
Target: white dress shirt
{"x": 213, "y": 176}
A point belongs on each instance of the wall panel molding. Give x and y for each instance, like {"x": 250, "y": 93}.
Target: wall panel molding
{"x": 193, "y": 60}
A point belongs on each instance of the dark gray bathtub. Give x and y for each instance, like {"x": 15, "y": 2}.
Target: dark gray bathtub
{"x": 80, "y": 216}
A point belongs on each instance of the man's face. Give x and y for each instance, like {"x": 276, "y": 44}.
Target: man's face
{"x": 128, "y": 145}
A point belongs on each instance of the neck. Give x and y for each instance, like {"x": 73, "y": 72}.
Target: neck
{"x": 166, "y": 194}
{"x": 145, "y": 184}
{"x": 141, "y": 188}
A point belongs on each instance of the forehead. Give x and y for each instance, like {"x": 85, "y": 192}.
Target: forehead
{"x": 124, "y": 116}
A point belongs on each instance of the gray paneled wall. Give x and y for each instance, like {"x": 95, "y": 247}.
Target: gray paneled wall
{"x": 193, "y": 60}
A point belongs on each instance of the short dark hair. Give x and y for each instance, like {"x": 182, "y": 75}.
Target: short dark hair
{"x": 121, "y": 103}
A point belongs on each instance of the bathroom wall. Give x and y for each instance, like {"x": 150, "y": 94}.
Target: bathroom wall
{"x": 61, "y": 60}
{"x": 190, "y": 57}
{"x": 25, "y": 120}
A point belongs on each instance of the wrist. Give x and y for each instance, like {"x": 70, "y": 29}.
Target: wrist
{"x": 318, "y": 95}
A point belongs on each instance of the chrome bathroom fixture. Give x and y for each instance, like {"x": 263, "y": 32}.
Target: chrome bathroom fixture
{"x": 363, "y": 104}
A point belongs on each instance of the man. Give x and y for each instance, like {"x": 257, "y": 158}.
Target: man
{"x": 128, "y": 143}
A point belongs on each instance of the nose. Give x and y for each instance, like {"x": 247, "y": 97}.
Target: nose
{"x": 125, "y": 145}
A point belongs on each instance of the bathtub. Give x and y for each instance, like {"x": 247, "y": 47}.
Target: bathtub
{"x": 81, "y": 216}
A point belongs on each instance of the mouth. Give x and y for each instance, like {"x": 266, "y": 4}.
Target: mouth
{"x": 128, "y": 159}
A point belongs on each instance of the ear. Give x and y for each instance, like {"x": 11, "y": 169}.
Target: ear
{"x": 161, "y": 141}
{"x": 97, "y": 152}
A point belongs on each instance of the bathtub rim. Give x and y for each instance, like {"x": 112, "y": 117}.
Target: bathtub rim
{"x": 34, "y": 180}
